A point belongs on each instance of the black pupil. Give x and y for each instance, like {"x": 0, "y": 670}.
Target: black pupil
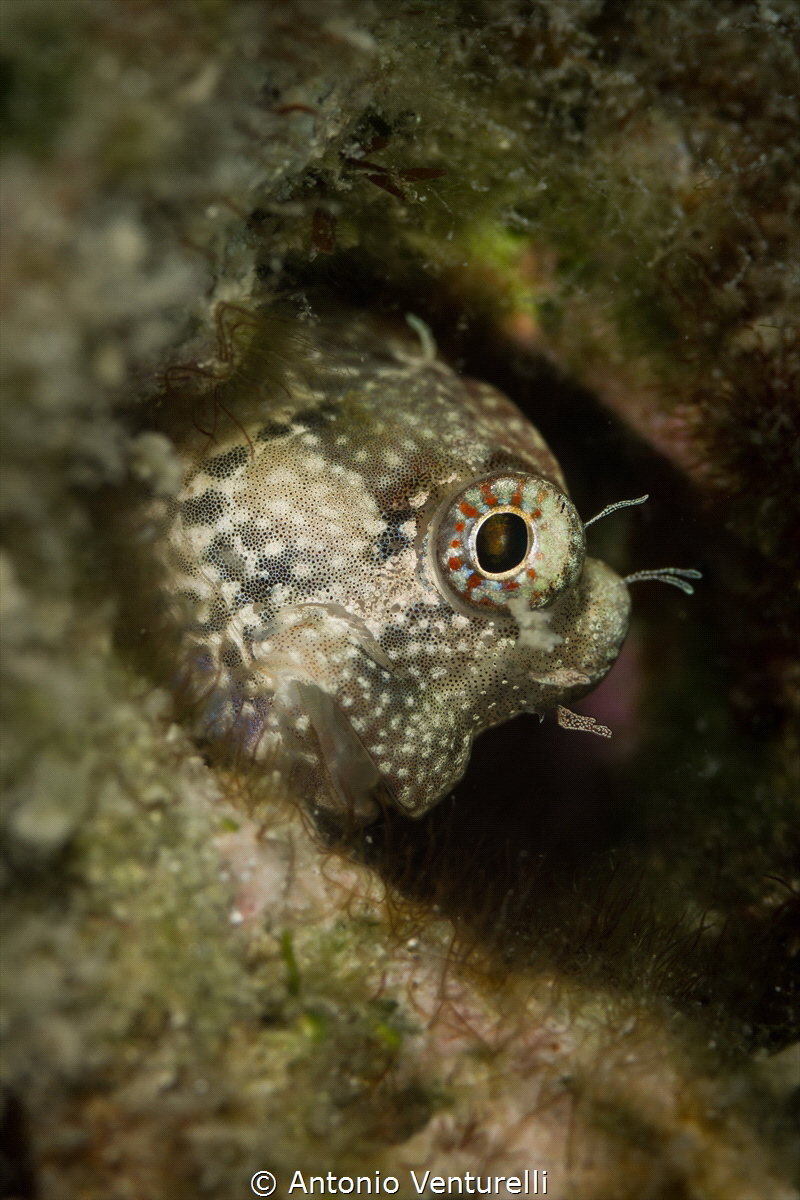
{"x": 502, "y": 543}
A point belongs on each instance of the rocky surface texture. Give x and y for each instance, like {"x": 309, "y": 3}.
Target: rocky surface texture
{"x": 584, "y": 962}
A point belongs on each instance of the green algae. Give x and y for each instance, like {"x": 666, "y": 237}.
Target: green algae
{"x": 37, "y": 79}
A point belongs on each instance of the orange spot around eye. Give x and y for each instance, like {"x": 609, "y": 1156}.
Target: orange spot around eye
{"x": 488, "y": 494}
{"x": 510, "y": 586}
{"x": 516, "y": 499}
{"x": 455, "y": 543}
{"x": 530, "y": 573}
{"x": 535, "y": 515}
{"x": 540, "y": 497}
{"x": 454, "y": 563}
{"x": 467, "y": 509}
{"x": 460, "y": 526}
{"x": 474, "y": 580}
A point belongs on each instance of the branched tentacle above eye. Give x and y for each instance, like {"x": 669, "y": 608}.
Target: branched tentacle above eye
{"x": 612, "y": 508}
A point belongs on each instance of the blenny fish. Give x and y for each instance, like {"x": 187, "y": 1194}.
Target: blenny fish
{"x": 380, "y": 563}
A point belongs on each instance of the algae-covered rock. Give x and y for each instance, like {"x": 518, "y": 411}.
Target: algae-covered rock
{"x": 583, "y": 962}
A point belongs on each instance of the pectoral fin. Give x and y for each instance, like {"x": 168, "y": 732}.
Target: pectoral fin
{"x": 355, "y": 781}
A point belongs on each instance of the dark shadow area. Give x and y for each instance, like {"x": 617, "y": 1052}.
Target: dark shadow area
{"x": 555, "y": 858}
{"x": 17, "y": 1180}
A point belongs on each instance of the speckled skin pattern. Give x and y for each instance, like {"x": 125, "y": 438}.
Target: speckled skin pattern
{"x": 322, "y": 574}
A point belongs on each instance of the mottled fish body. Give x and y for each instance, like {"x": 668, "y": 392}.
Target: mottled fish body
{"x": 381, "y": 563}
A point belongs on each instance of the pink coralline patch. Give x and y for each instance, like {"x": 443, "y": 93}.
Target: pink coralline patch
{"x": 280, "y": 873}
{"x": 670, "y": 427}
{"x": 523, "y": 1078}
{"x": 464, "y": 1037}
{"x": 673, "y": 434}
{"x": 258, "y": 869}
{"x": 643, "y": 408}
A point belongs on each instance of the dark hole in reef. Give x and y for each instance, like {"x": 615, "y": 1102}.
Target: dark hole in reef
{"x": 502, "y": 543}
{"x": 557, "y": 848}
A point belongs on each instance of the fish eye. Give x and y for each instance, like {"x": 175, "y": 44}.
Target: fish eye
{"x": 505, "y": 537}
{"x": 502, "y": 541}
